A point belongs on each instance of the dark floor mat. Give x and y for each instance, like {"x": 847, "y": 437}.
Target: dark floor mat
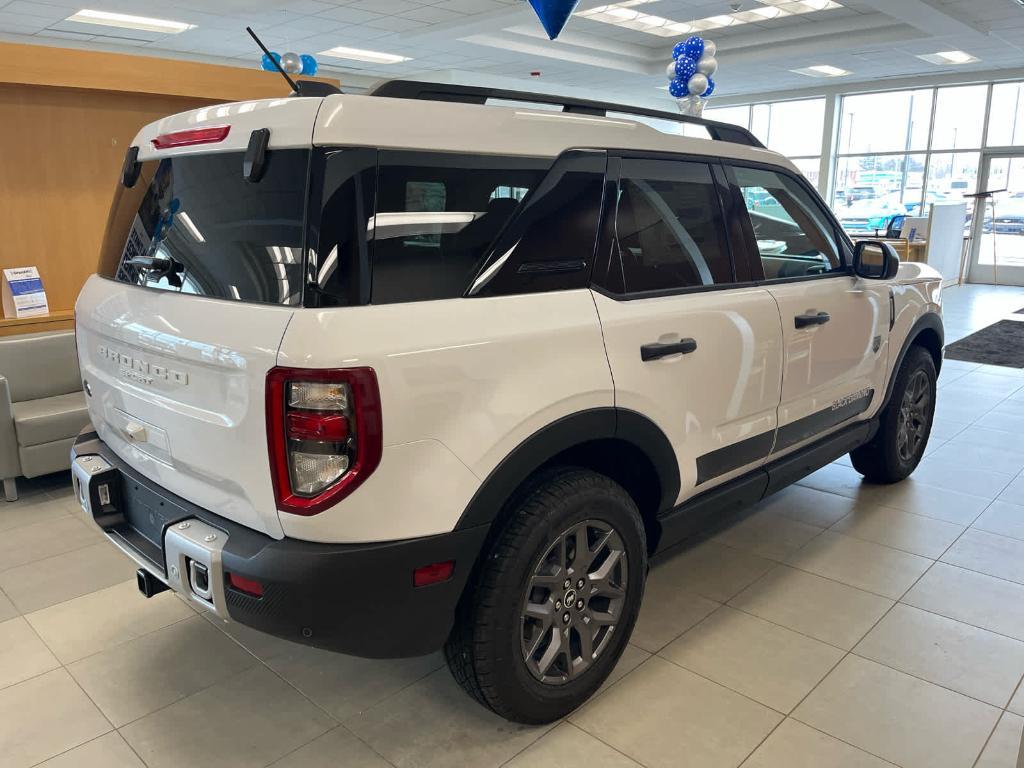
{"x": 998, "y": 344}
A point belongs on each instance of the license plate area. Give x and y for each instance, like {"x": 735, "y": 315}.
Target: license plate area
{"x": 124, "y": 508}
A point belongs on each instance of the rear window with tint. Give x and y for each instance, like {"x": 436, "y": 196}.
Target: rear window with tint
{"x": 192, "y": 224}
{"x": 436, "y": 216}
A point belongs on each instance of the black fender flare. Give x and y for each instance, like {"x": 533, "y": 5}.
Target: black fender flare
{"x": 930, "y": 321}
{"x": 563, "y": 434}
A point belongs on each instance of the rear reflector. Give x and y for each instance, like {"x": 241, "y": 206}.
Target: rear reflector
{"x": 248, "y": 586}
{"x": 192, "y": 136}
{"x": 433, "y": 573}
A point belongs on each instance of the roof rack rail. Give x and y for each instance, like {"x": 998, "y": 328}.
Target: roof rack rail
{"x": 471, "y": 94}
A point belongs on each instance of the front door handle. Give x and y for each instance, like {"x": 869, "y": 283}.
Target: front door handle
{"x": 658, "y": 349}
{"x": 819, "y": 318}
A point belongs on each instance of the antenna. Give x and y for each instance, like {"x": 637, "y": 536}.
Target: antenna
{"x": 275, "y": 62}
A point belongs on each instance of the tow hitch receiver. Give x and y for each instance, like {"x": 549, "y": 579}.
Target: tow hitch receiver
{"x": 149, "y": 585}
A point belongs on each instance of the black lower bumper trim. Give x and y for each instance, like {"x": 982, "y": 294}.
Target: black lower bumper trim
{"x": 351, "y": 598}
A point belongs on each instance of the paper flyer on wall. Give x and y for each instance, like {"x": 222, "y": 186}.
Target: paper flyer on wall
{"x": 23, "y": 293}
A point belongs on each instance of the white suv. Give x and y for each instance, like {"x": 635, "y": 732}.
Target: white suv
{"x": 384, "y": 374}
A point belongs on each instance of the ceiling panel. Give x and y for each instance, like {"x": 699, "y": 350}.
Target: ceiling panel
{"x": 499, "y": 38}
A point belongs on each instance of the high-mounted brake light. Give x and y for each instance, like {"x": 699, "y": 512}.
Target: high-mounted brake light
{"x": 324, "y": 434}
{"x": 192, "y": 136}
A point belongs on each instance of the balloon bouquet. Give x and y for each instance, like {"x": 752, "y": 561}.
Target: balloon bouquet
{"x": 691, "y": 73}
{"x": 292, "y": 63}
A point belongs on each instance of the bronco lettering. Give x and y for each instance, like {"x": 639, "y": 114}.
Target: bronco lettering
{"x": 140, "y": 370}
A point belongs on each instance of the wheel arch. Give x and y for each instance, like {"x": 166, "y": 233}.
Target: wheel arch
{"x": 616, "y": 442}
{"x": 927, "y": 332}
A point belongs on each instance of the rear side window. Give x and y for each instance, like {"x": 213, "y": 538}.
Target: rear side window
{"x": 192, "y": 224}
{"x": 549, "y": 246}
{"x": 436, "y": 216}
{"x": 669, "y": 227}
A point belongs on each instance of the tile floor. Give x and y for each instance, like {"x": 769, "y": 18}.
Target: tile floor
{"x": 839, "y": 624}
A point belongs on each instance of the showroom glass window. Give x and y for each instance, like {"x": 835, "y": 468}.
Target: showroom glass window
{"x": 792, "y": 128}
{"x": 193, "y": 224}
{"x": 670, "y": 232}
{"x": 1006, "y": 121}
{"x": 925, "y": 151}
{"x": 793, "y": 235}
{"x": 436, "y": 215}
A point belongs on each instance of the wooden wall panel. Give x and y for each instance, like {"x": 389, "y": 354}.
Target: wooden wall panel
{"x": 62, "y": 150}
{"x": 66, "y": 119}
{"x": 101, "y": 71}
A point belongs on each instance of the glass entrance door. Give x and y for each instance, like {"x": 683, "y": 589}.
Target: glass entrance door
{"x": 997, "y": 251}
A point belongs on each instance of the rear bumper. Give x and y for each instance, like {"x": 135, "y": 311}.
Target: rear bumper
{"x": 351, "y": 598}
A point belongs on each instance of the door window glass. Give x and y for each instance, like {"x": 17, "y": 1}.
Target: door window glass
{"x": 793, "y": 236}
{"x": 669, "y": 227}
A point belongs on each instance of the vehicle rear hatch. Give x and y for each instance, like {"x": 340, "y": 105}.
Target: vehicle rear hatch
{"x": 199, "y": 273}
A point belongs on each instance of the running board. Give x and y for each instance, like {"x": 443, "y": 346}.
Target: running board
{"x": 693, "y": 516}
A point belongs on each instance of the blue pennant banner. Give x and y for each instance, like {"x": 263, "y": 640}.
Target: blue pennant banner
{"x": 554, "y": 14}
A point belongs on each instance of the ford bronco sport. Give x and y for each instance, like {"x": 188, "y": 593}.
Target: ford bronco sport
{"x": 394, "y": 372}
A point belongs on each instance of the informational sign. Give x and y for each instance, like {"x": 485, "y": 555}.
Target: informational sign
{"x": 23, "y": 294}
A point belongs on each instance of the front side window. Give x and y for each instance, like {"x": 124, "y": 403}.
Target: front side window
{"x": 794, "y": 238}
{"x": 436, "y": 216}
{"x": 193, "y": 224}
{"x": 669, "y": 227}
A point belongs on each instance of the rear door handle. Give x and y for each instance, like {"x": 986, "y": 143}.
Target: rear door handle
{"x": 658, "y": 349}
{"x": 820, "y": 318}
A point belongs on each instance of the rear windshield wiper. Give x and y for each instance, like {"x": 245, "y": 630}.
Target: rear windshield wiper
{"x": 159, "y": 266}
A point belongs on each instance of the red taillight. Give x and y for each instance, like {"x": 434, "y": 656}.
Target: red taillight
{"x": 316, "y": 425}
{"x": 324, "y": 434}
{"x": 433, "y": 573}
{"x": 248, "y": 586}
{"x": 192, "y": 136}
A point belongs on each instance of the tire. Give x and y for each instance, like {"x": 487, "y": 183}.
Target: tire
{"x": 506, "y": 657}
{"x": 894, "y": 453}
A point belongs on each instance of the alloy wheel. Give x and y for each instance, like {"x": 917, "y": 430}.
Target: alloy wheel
{"x": 912, "y": 423}
{"x": 573, "y": 602}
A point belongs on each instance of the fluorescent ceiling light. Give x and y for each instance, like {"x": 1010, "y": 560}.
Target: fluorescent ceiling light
{"x": 358, "y": 54}
{"x": 126, "y": 21}
{"x": 949, "y": 57}
{"x": 191, "y": 227}
{"x": 622, "y": 15}
{"x": 821, "y": 70}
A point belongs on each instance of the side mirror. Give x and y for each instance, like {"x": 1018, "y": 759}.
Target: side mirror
{"x": 875, "y": 260}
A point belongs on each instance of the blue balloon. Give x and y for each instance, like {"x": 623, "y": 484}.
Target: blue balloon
{"x": 309, "y": 64}
{"x": 678, "y": 89}
{"x": 711, "y": 88}
{"x": 554, "y": 14}
{"x": 685, "y": 68}
{"x": 678, "y": 50}
{"x": 694, "y": 47}
{"x": 267, "y": 64}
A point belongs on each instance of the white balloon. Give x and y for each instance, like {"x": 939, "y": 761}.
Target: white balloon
{"x": 707, "y": 65}
{"x": 698, "y": 84}
{"x": 670, "y": 70}
{"x": 710, "y": 49}
{"x": 291, "y": 63}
